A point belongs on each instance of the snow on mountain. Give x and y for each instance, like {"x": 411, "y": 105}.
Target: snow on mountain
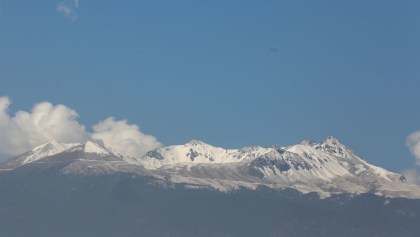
{"x": 196, "y": 152}
{"x": 90, "y": 158}
{"x": 49, "y": 149}
{"x": 90, "y": 147}
{"x": 54, "y": 148}
{"x": 45, "y": 150}
{"x": 326, "y": 167}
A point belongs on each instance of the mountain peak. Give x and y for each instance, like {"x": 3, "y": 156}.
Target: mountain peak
{"x": 333, "y": 146}
{"x": 92, "y": 147}
{"x": 53, "y": 144}
{"x": 329, "y": 141}
{"x": 48, "y": 149}
{"x": 40, "y": 152}
{"x": 196, "y": 143}
{"x": 332, "y": 140}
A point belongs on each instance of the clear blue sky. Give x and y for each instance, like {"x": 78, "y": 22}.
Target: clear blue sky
{"x": 230, "y": 73}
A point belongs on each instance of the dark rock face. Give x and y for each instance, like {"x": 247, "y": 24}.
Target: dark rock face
{"x": 193, "y": 154}
{"x": 48, "y": 204}
{"x": 155, "y": 154}
{"x": 283, "y": 162}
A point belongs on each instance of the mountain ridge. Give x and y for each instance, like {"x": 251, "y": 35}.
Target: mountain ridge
{"x": 326, "y": 167}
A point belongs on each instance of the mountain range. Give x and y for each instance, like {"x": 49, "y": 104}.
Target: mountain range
{"x": 195, "y": 189}
{"x": 326, "y": 168}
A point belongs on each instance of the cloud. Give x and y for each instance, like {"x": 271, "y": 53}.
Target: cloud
{"x": 412, "y": 176}
{"x": 46, "y": 122}
{"x": 68, "y": 9}
{"x": 123, "y": 138}
{"x": 413, "y": 143}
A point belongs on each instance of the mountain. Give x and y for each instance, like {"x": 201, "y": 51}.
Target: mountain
{"x": 54, "y": 148}
{"x": 308, "y": 189}
{"x": 326, "y": 168}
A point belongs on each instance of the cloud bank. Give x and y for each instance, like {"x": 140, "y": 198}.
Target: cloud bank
{"x": 68, "y": 9}
{"x": 46, "y": 122}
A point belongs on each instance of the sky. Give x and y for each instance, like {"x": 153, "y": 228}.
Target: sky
{"x": 230, "y": 73}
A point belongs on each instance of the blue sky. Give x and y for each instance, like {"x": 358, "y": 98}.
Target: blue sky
{"x": 230, "y": 73}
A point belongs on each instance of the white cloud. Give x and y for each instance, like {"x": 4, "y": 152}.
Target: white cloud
{"x": 46, "y": 122}
{"x": 68, "y": 9}
{"x": 124, "y": 138}
{"x": 413, "y": 143}
{"x": 412, "y": 176}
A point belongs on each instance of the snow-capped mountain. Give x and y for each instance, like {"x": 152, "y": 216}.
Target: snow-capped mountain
{"x": 49, "y": 149}
{"x": 326, "y": 167}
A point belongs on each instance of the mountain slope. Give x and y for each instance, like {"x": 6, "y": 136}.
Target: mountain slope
{"x": 49, "y": 204}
